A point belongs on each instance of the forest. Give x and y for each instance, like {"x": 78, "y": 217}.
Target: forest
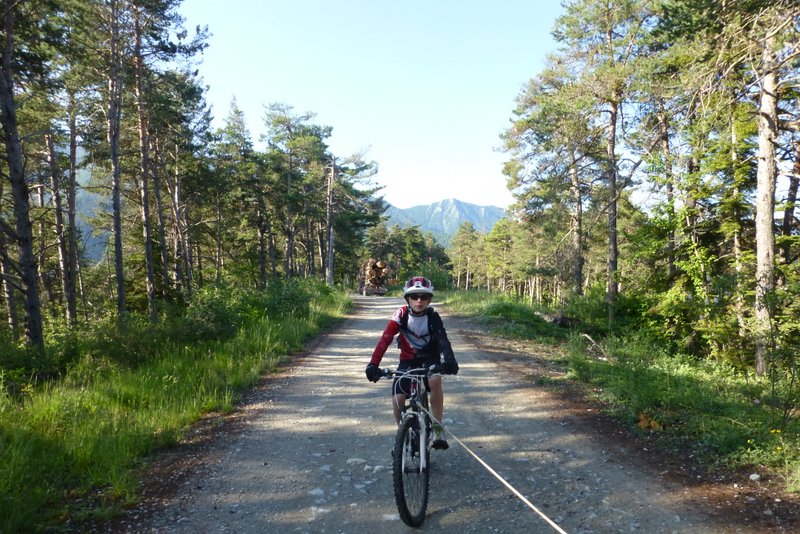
{"x": 655, "y": 163}
{"x": 104, "y": 90}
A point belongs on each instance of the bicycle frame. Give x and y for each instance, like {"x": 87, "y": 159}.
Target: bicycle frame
{"x": 417, "y": 406}
{"x": 411, "y": 465}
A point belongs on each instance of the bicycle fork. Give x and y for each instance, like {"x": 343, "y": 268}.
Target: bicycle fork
{"x": 423, "y": 428}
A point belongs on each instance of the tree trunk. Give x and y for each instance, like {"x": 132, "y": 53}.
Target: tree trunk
{"x": 329, "y": 226}
{"x": 788, "y": 210}
{"x": 218, "y": 239}
{"x": 144, "y": 167}
{"x": 188, "y": 252}
{"x": 737, "y": 234}
{"x": 181, "y": 216}
{"x": 19, "y": 188}
{"x": 72, "y": 227}
{"x": 765, "y": 204}
{"x": 160, "y": 219}
{"x": 45, "y": 280}
{"x": 114, "y": 114}
{"x": 669, "y": 178}
{"x": 198, "y": 256}
{"x": 577, "y": 231}
{"x": 6, "y": 274}
{"x": 611, "y": 181}
{"x": 262, "y": 243}
{"x": 273, "y": 250}
{"x": 310, "y": 233}
{"x": 288, "y": 259}
{"x": 58, "y": 213}
{"x": 321, "y": 242}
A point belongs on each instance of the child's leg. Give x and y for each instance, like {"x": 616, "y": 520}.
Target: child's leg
{"x": 398, "y": 401}
{"x": 436, "y": 397}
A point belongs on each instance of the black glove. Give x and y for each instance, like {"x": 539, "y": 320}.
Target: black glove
{"x": 450, "y": 367}
{"x": 373, "y": 373}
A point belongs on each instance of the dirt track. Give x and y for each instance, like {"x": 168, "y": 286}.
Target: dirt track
{"x": 309, "y": 451}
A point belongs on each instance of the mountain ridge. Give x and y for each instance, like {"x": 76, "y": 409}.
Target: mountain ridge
{"x": 443, "y": 218}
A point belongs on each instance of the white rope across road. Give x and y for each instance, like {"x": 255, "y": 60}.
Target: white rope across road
{"x": 494, "y": 473}
{"x": 507, "y": 484}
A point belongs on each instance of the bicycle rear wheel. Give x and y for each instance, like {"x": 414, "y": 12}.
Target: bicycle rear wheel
{"x": 411, "y": 482}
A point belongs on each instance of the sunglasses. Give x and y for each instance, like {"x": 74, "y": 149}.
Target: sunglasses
{"x": 419, "y": 297}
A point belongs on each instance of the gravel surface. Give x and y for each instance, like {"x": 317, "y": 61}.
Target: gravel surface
{"x": 309, "y": 452}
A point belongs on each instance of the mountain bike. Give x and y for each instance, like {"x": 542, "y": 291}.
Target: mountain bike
{"x": 412, "y": 447}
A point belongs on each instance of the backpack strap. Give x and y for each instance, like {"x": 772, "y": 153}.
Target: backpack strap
{"x": 404, "y": 319}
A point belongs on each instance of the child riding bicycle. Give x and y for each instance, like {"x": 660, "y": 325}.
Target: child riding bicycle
{"x": 422, "y": 341}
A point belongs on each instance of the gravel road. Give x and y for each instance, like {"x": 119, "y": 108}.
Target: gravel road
{"x": 309, "y": 452}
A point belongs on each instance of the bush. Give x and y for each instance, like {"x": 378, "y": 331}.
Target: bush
{"x": 71, "y": 449}
{"x": 508, "y": 315}
{"x": 289, "y": 297}
{"x": 213, "y": 313}
{"x": 727, "y": 416}
{"x": 218, "y": 312}
{"x": 590, "y": 309}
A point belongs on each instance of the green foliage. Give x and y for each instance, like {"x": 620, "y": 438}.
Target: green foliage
{"x": 409, "y": 253}
{"x": 723, "y": 415}
{"x": 70, "y": 448}
{"x": 290, "y": 297}
{"x": 438, "y": 275}
{"x": 212, "y": 313}
{"x": 590, "y": 309}
{"x": 506, "y": 316}
{"x": 217, "y": 312}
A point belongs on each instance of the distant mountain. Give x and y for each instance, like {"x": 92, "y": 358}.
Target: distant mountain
{"x": 443, "y": 218}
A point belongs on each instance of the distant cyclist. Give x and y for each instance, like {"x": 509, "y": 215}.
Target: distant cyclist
{"x": 422, "y": 341}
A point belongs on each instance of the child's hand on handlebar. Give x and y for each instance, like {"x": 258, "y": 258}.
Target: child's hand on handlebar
{"x": 450, "y": 367}
{"x": 373, "y": 372}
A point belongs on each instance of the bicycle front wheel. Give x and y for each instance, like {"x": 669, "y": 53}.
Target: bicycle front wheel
{"x": 411, "y": 482}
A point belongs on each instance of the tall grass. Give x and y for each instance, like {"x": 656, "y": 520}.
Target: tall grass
{"x": 505, "y": 316}
{"x": 69, "y": 449}
{"x": 727, "y": 417}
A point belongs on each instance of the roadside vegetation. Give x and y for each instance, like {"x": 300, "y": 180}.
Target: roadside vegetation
{"x": 71, "y": 447}
{"x": 728, "y": 417}
{"x": 152, "y": 267}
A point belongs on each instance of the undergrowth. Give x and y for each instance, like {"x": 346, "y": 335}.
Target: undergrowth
{"x": 70, "y": 444}
{"x": 727, "y": 416}
{"x": 506, "y": 316}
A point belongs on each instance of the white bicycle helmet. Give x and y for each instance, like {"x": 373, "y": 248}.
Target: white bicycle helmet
{"x": 417, "y": 284}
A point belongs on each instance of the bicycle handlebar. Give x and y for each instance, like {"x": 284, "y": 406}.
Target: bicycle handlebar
{"x": 428, "y": 371}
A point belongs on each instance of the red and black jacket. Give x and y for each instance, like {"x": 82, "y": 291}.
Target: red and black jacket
{"x": 438, "y": 343}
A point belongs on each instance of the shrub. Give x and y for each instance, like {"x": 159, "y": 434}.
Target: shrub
{"x": 288, "y": 297}
{"x": 212, "y": 313}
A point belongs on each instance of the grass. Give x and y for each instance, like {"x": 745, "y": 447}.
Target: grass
{"x": 728, "y": 418}
{"x": 505, "y": 316}
{"x": 70, "y": 448}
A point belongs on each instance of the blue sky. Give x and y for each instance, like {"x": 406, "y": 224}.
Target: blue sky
{"x": 424, "y": 88}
